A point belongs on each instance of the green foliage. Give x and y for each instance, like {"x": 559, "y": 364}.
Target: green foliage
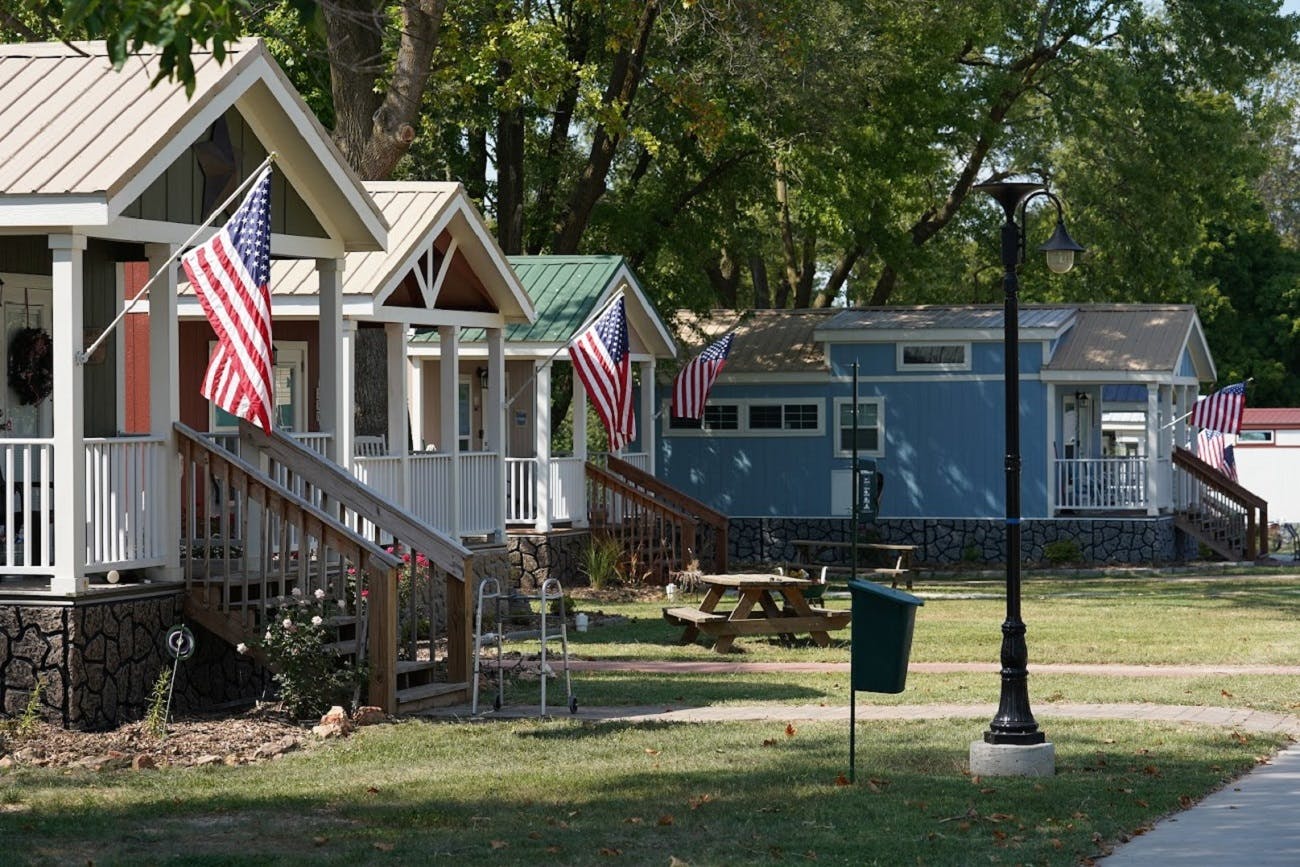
{"x": 599, "y": 560}
{"x": 155, "y": 716}
{"x": 30, "y": 718}
{"x": 1062, "y": 551}
{"x": 311, "y": 677}
{"x": 972, "y": 554}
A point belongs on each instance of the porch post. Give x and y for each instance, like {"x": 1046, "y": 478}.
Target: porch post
{"x": 68, "y": 547}
{"x": 542, "y": 444}
{"x": 334, "y": 386}
{"x": 1166, "y": 448}
{"x": 579, "y": 498}
{"x": 1053, "y": 479}
{"x": 648, "y": 413}
{"x": 165, "y": 401}
{"x": 449, "y": 416}
{"x": 415, "y": 397}
{"x": 1153, "y": 447}
{"x": 494, "y": 424}
{"x": 395, "y": 336}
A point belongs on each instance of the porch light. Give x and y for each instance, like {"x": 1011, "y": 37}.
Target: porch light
{"x": 1014, "y": 724}
{"x": 482, "y": 374}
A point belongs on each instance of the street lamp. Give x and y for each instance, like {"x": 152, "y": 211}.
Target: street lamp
{"x": 1014, "y": 723}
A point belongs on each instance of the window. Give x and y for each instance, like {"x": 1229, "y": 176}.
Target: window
{"x": 752, "y": 418}
{"x": 1255, "y": 436}
{"x": 288, "y": 381}
{"x": 870, "y": 431}
{"x": 933, "y": 356}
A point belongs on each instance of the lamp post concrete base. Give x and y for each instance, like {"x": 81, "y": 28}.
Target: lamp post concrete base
{"x": 1012, "y": 760}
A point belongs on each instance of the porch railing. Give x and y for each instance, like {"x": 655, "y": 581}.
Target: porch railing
{"x": 429, "y": 488}
{"x": 568, "y": 490}
{"x": 1101, "y": 484}
{"x": 655, "y": 537}
{"x": 710, "y": 525}
{"x": 521, "y": 490}
{"x": 1217, "y": 511}
{"x": 27, "y": 522}
{"x": 125, "y": 524}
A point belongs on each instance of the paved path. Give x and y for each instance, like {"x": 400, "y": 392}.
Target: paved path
{"x": 1252, "y": 823}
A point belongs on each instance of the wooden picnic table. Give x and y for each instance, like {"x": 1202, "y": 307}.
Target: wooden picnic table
{"x": 901, "y": 555}
{"x": 765, "y": 605}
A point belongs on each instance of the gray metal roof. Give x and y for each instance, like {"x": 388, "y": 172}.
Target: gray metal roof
{"x": 767, "y": 341}
{"x": 935, "y": 317}
{"x": 1125, "y": 337}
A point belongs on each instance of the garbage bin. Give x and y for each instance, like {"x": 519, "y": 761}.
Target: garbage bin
{"x": 882, "y": 636}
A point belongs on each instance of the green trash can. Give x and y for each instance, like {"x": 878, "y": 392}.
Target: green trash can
{"x": 883, "y": 619}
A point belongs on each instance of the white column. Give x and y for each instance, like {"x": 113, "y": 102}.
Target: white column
{"x": 395, "y": 337}
{"x": 345, "y": 415}
{"x": 165, "y": 399}
{"x": 1153, "y": 447}
{"x": 542, "y": 444}
{"x": 494, "y": 422}
{"x": 1052, "y": 472}
{"x": 648, "y": 413}
{"x": 68, "y": 546}
{"x": 1166, "y": 487}
{"x": 334, "y": 386}
{"x": 415, "y": 399}
{"x": 578, "y": 498}
{"x": 449, "y": 416}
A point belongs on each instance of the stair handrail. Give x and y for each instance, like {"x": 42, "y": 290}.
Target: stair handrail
{"x": 683, "y": 501}
{"x": 612, "y": 481}
{"x": 382, "y": 602}
{"x": 1255, "y": 506}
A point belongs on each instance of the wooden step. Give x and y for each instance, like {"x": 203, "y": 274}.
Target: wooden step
{"x": 418, "y": 698}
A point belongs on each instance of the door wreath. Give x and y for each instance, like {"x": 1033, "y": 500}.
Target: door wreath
{"x": 31, "y": 367}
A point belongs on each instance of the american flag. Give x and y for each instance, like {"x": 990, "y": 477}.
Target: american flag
{"x": 691, "y": 388}
{"x": 1211, "y": 448}
{"x": 1221, "y": 411}
{"x": 600, "y": 359}
{"x": 230, "y": 274}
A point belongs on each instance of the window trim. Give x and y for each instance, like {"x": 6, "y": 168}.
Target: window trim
{"x": 878, "y": 452}
{"x": 742, "y": 411}
{"x": 1244, "y": 438}
{"x": 901, "y": 365}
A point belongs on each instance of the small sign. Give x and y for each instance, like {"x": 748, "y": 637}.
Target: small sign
{"x": 866, "y": 488}
{"x": 521, "y": 419}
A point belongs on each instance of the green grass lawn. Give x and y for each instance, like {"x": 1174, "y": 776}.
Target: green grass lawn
{"x": 565, "y": 791}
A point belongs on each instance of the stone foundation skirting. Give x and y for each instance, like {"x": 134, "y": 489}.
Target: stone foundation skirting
{"x": 536, "y": 557}
{"x": 948, "y": 541}
{"x": 98, "y": 660}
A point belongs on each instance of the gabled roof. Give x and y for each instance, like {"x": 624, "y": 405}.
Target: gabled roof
{"x": 566, "y": 291}
{"x": 1131, "y": 338}
{"x": 56, "y": 98}
{"x": 419, "y": 213}
{"x": 970, "y": 317}
{"x": 767, "y": 341}
{"x": 1270, "y": 417}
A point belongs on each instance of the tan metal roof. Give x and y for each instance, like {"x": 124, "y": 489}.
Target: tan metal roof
{"x": 1270, "y": 417}
{"x": 767, "y": 341}
{"x": 76, "y": 132}
{"x": 1125, "y": 337}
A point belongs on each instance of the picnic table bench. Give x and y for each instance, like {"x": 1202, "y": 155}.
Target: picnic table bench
{"x": 757, "y": 611}
{"x": 810, "y": 551}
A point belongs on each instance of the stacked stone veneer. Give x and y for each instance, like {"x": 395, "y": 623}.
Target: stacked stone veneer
{"x": 99, "y": 660}
{"x": 534, "y": 558}
{"x": 946, "y": 541}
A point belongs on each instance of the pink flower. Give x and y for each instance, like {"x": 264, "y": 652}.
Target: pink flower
{"x": 319, "y": 594}
{"x": 365, "y": 594}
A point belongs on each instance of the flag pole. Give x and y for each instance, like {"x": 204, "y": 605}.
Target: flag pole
{"x": 85, "y": 354}
{"x": 581, "y": 328}
{"x": 1247, "y": 381}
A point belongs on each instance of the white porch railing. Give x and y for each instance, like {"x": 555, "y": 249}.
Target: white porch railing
{"x": 26, "y": 523}
{"x": 1101, "y": 484}
{"x": 568, "y": 489}
{"x": 521, "y": 490}
{"x": 568, "y": 486}
{"x": 430, "y": 487}
{"x": 126, "y": 527}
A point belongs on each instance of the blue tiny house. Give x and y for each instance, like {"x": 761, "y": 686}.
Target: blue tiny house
{"x": 1102, "y": 389}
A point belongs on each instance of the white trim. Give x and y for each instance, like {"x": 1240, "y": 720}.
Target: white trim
{"x": 901, "y": 363}
{"x": 869, "y": 336}
{"x": 742, "y": 428}
{"x": 624, "y": 277}
{"x": 36, "y": 212}
{"x": 878, "y": 452}
{"x": 1108, "y": 377}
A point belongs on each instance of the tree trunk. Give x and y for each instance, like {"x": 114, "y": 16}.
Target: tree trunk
{"x": 807, "y": 270}
{"x": 839, "y": 275}
{"x": 724, "y": 277}
{"x": 510, "y": 175}
{"x": 373, "y": 130}
{"x": 546, "y": 177}
{"x": 762, "y": 289}
{"x": 625, "y": 77}
{"x": 477, "y": 157}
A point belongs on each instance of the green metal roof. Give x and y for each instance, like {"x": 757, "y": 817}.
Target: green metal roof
{"x": 564, "y": 291}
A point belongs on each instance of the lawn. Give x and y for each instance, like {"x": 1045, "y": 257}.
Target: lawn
{"x": 574, "y": 792}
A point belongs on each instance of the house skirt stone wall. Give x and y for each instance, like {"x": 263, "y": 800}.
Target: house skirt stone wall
{"x": 947, "y": 541}
{"x": 99, "y": 659}
{"x": 536, "y": 557}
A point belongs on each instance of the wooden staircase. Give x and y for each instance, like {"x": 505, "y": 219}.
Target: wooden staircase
{"x": 659, "y": 528}
{"x": 281, "y": 519}
{"x": 1216, "y": 511}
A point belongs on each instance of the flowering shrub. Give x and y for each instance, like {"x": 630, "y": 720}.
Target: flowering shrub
{"x": 310, "y": 675}
{"x": 415, "y": 601}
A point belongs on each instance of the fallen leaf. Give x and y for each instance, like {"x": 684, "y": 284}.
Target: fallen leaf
{"x": 987, "y": 790}
{"x": 999, "y": 835}
{"x": 553, "y": 849}
{"x": 651, "y": 751}
{"x": 790, "y": 730}
{"x": 1151, "y": 771}
{"x": 666, "y": 819}
{"x": 700, "y": 801}
{"x": 963, "y": 826}
{"x": 1000, "y": 817}
{"x": 632, "y": 820}
{"x": 1225, "y": 693}
{"x": 1141, "y": 803}
{"x": 769, "y": 742}
{"x": 841, "y": 780}
{"x": 320, "y": 841}
{"x": 383, "y": 847}
{"x": 1185, "y": 801}
{"x": 674, "y": 861}
{"x": 1056, "y": 843}
{"x": 499, "y": 844}
{"x": 810, "y": 855}
{"x": 536, "y": 835}
{"x": 371, "y": 790}
{"x": 610, "y": 851}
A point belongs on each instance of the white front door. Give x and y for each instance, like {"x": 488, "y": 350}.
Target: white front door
{"x": 25, "y": 307}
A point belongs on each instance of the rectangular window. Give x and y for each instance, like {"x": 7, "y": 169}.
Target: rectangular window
{"x": 724, "y": 416}
{"x": 765, "y": 416}
{"x": 1255, "y": 436}
{"x": 870, "y": 431}
{"x": 933, "y": 356}
{"x": 783, "y": 416}
{"x": 752, "y": 418}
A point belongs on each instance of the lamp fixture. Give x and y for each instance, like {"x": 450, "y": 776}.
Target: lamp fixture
{"x": 482, "y": 374}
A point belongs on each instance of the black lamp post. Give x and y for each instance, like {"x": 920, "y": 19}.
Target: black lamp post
{"x": 1014, "y": 723}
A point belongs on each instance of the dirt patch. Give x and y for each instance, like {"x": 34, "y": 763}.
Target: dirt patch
{"x": 256, "y": 735}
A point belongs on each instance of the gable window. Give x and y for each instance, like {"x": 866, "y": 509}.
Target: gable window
{"x": 870, "y": 432}
{"x": 753, "y": 418}
{"x": 933, "y": 356}
{"x": 1255, "y": 436}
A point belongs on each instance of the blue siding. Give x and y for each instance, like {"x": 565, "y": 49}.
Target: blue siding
{"x": 1185, "y": 366}
{"x": 880, "y": 359}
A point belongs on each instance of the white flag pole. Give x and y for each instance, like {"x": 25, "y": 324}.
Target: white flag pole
{"x": 85, "y": 354}
{"x": 583, "y": 327}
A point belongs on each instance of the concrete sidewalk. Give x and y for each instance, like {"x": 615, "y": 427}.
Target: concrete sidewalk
{"x": 1251, "y": 822}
